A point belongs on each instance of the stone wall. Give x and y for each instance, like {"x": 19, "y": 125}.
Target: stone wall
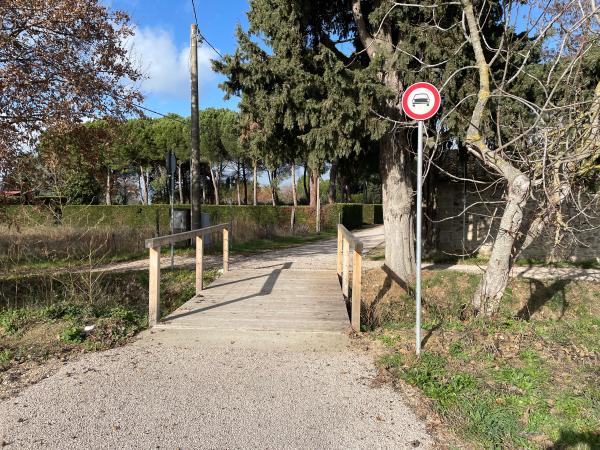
{"x": 475, "y": 231}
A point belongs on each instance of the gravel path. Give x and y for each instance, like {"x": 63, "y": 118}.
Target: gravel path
{"x": 320, "y": 255}
{"x": 212, "y": 396}
{"x": 190, "y": 388}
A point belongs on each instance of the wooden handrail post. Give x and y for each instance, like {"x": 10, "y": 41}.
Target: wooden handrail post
{"x": 199, "y": 267}
{"x": 339, "y": 251}
{"x": 356, "y": 286}
{"x": 225, "y": 250}
{"x": 346, "y": 268}
{"x": 154, "y": 287}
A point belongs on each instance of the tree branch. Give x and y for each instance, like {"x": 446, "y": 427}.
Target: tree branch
{"x": 363, "y": 31}
{"x": 329, "y": 44}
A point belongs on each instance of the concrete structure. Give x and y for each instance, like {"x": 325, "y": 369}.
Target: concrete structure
{"x": 472, "y": 233}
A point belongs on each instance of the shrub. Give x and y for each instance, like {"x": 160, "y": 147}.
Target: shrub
{"x": 13, "y": 320}
{"x": 72, "y": 335}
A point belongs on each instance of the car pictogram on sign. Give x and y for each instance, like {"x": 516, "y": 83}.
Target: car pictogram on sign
{"x": 420, "y": 99}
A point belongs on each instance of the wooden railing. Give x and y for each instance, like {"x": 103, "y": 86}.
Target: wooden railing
{"x": 346, "y": 242}
{"x": 154, "y": 246}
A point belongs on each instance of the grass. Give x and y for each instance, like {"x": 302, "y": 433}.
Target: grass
{"x": 527, "y": 379}
{"x": 279, "y": 242}
{"x": 51, "y": 323}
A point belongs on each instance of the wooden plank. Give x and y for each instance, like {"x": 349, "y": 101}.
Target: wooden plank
{"x": 199, "y": 267}
{"x": 225, "y": 250}
{"x": 154, "y": 287}
{"x": 276, "y": 300}
{"x": 172, "y": 238}
{"x": 356, "y": 287}
{"x": 346, "y": 268}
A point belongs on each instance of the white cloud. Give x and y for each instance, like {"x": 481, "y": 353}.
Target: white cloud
{"x": 165, "y": 65}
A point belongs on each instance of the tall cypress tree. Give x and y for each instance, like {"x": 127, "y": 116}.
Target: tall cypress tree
{"x": 299, "y": 87}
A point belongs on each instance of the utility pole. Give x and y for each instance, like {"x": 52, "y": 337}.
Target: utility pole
{"x": 195, "y": 194}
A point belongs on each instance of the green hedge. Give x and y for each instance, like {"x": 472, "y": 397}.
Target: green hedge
{"x": 156, "y": 217}
{"x": 372, "y": 214}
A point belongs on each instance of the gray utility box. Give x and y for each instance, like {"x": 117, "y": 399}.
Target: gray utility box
{"x": 205, "y": 222}
{"x": 181, "y": 220}
{"x": 182, "y": 223}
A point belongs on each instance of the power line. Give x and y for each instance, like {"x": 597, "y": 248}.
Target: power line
{"x": 208, "y": 42}
{"x": 166, "y": 116}
{"x": 137, "y": 105}
{"x": 194, "y": 8}
{"x": 200, "y": 33}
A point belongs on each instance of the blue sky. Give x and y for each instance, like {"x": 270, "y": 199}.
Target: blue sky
{"x": 161, "y": 48}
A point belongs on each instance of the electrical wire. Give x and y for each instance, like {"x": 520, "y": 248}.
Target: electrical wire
{"x": 208, "y": 42}
{"x": 194, "y": 8}
{"x": 202, "y": 37}
{"x": 166, "y": 116}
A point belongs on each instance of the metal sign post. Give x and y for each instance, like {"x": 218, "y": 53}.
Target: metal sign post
{"x": 418, "y": 235}
{"x": 420, "y": 101}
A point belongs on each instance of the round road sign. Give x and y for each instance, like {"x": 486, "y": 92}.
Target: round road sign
{"x": 421, "y": 101}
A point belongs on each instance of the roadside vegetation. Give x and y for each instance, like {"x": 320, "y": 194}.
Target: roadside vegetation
{"x": 55, "y": 317}
{"x": 526, "y": 378}
{"x": 100, "y": 256}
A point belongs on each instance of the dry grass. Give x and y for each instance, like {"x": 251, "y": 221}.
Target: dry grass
{"x": 51, "y": 244}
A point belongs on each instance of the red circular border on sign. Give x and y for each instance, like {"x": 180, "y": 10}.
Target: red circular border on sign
{"x": 436, "y": 98}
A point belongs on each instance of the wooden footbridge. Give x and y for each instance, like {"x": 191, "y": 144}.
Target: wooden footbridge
{"x": 304, "y": 290}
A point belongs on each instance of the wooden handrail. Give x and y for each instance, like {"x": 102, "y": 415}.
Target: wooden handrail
{"x": 347, "y": 235}
{"x": 172, "y": 238}
{"x": 154, "y": 246}
{"x": 347, "y": 240}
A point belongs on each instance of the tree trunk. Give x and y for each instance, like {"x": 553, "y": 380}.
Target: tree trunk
{"x": 274, "y": 189}
{"x": 306, "y": 188}
{"x": 271, "y": 178}
{"x": 245, "y": 183}
{"x": 430, "y": 226}
{"x": 313, "y": 189}
{"x": 108, "y": 186}
{"x": 294, "y": 191}
{"x": 141, "y": 190}
{"x": 395, "y": 161}
{"x": 254, "y": 181}
{"x": 398, "y": 215}
{"x": 180, "y": 183}
{"x": 237, "y": 184}
{"x": 145, "y": 186}
{"x": 318, "y": 205}
{"x": 332, "y": 182}
{"x": 491, "y": 288}
{"x": 215, "y": 184}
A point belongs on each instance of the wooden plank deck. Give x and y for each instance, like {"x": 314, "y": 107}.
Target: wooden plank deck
{"x": 275, "y": 298}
